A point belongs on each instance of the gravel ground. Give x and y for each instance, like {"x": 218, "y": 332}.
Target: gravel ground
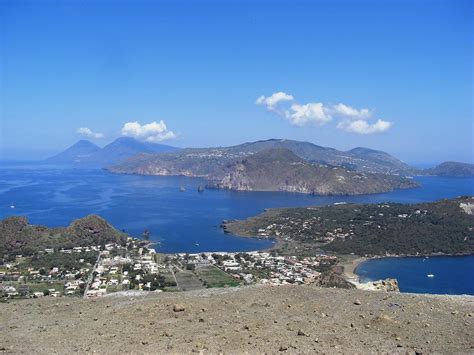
{"x": 288, "y": 319}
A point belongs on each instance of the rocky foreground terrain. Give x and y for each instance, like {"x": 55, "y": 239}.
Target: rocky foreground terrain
{"x": 286, "y": 319}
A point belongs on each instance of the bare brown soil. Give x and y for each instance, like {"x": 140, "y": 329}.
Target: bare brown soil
{"x": 287, "y": 319}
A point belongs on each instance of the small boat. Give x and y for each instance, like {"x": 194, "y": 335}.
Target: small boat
{"x": 196, "y": 244}
{"x": 430, "y": 275}
{"x": 182, "y": 189}
{"x": 12, "y": 206}
{"x": 200, "y": 188}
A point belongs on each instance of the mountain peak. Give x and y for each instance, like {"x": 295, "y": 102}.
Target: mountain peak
{"x": 76, "y": 153}
{"x": 88, "y": 154}
{"x": 84, "y": 142}
{"x": 362, "y": 150}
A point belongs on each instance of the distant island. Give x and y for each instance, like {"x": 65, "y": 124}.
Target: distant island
{"x": 279, "y": 165}
{"x": 87, "y": 154}
{"x": 267, "y": 165}
{"x": 451, "y": 168}
{"x": 443, "y": 227}
{"x": 205, "y": 162}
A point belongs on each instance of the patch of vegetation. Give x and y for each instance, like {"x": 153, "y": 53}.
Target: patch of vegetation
{"x": 67, "y": 261}
{"x": 370, "y": 229}
{"x": 18, "y": 237}
{"x": 214, "y": 277}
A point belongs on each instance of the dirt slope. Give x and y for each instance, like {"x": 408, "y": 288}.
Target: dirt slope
{"x": 293, "y": 319}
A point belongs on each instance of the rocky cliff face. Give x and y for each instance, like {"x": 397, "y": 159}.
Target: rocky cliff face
{"x": 281, "y": 170}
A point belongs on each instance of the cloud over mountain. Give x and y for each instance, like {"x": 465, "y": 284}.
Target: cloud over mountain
{"x": 313, "y": 112}
{"x": 272, "y": 101}
{"x": 89, "y": 133}
{"x": 363, "y": 127}
{"x": 150, "y": 132}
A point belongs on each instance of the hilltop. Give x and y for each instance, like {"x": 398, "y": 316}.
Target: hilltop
{"x": 18, "y": 237}
{"x": 87, "y": 154}
{"x": 271, "y": 320}
{"x": 206, "y": 162}
{"x": 451, "y": 168}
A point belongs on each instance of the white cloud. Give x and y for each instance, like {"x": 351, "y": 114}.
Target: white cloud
{"x": 89, "y": 133}
{"x": 314, "y": 113}
{"x": 272, "y": 101}
{"x": 363, "y": 127}
{"x": 350, "y": 119}
{"x": 150, "y": 132}
{"x": 348, "y": 111}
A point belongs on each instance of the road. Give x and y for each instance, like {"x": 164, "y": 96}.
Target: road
{"x": 91, "y": 276}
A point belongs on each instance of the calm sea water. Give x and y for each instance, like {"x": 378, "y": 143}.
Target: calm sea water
{"x": 451, "y": 275}
{"x": 181, "y": 221}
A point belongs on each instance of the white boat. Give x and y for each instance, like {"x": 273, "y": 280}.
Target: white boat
{"x": 430, "y": 275}
{"x": 12, "y": 206}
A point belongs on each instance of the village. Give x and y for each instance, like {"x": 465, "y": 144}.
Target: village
{"x": 96, "y": 271}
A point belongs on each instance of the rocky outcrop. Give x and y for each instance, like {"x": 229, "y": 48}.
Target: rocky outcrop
{"x": 388, "y": 285}
{"x": 468, "y": 206}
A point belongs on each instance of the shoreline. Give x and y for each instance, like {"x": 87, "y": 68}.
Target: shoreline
{"x": 353, "y": 262}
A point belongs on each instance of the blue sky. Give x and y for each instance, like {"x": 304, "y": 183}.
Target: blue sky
{"x": 201, "y": 66}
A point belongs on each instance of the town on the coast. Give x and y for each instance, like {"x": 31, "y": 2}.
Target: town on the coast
{"x": 99, "y": 270}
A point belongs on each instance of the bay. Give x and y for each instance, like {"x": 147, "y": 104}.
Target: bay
{"x": 452, "y": 275}
{"x": 186, "y": 221}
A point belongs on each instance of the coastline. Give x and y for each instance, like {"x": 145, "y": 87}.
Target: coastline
{"x": 352, "y": 262}
{"x": 349, "y": 265}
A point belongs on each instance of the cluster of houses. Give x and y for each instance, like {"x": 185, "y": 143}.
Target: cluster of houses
{"x": 110, "y": 275}
{"x": 289, "y": 227}
{"x": 14, "y": 275}
{"x": 18, "y": 280}
{"x": 120, "y": 268}
{"x": 261, "y": 267}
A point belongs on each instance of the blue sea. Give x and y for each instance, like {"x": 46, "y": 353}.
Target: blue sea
{"x": 450, "y": 274}
{"x": 186, "y": 221}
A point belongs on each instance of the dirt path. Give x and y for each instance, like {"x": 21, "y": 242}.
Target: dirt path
{"x": 289, "y": 319}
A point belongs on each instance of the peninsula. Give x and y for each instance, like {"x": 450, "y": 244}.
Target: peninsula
{"x": 442, "y": 227}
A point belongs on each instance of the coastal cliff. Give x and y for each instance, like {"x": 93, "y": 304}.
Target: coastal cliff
{"x": 282, "y": 170}
{"x": 275, "y": 169}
